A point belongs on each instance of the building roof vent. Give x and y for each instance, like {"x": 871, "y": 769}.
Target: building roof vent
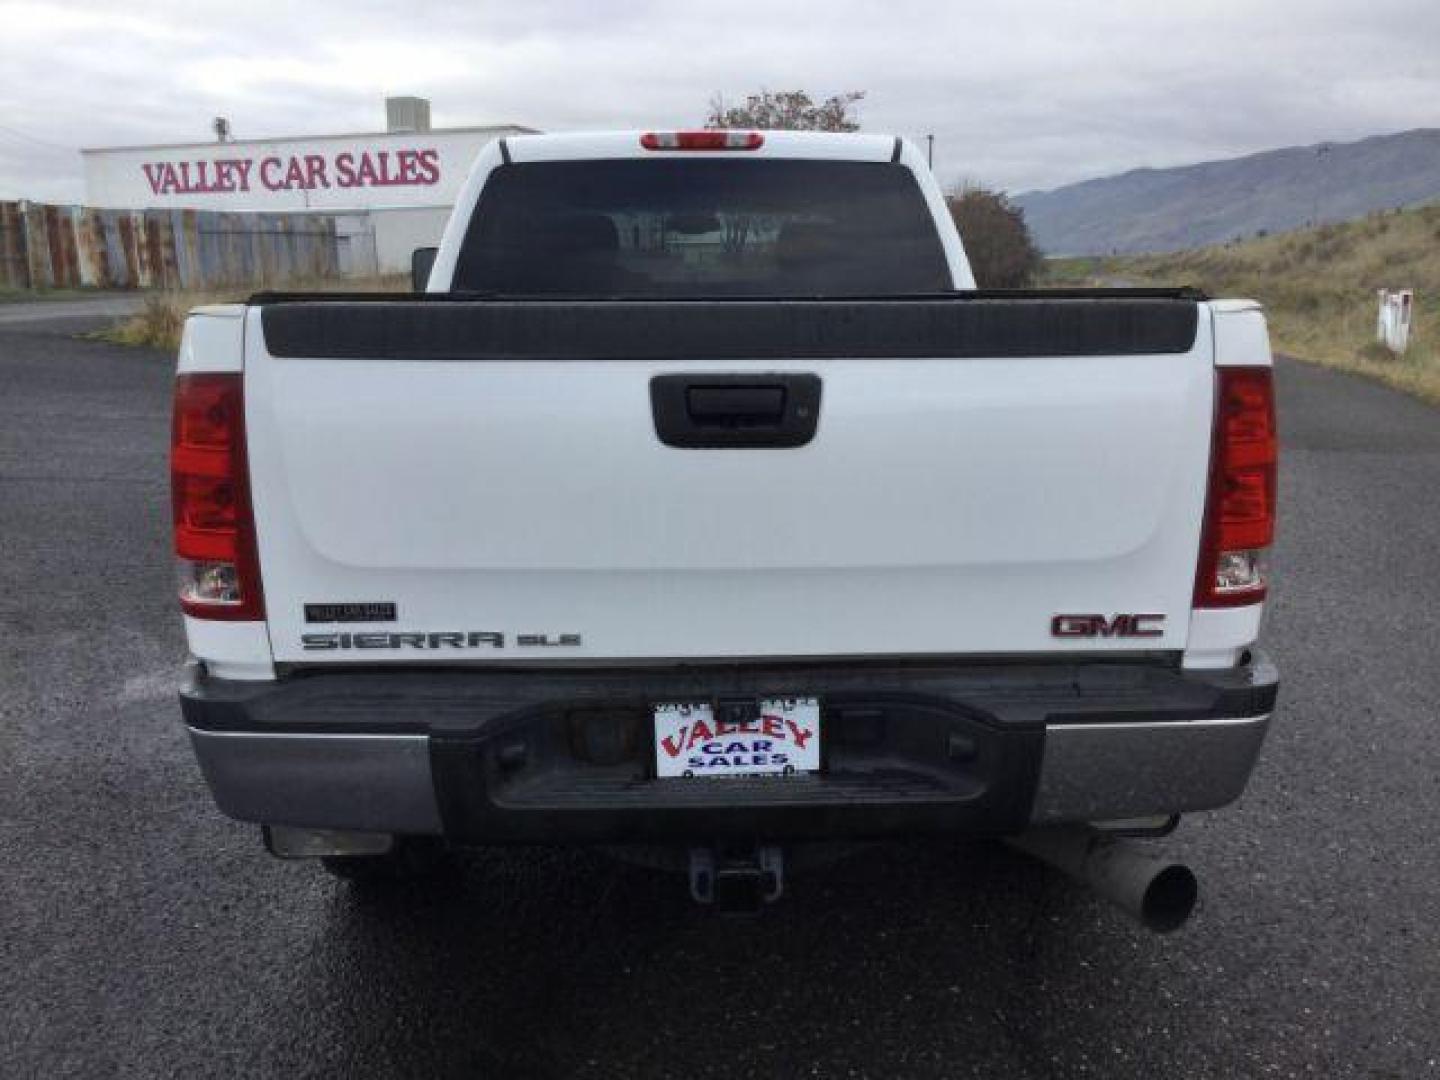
{"x": 407, "y": 114}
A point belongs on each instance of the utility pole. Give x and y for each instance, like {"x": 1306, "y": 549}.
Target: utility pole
{"x": 1322, "y": 155}
{"x": 930, "y": 151}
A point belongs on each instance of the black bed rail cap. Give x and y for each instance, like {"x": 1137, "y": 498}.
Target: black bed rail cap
{"x": 1177, "y": 292}
{"x": 953, "y": 326}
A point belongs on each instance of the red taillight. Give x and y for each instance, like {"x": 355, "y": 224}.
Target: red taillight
{"x": 702, "y": 140}
{"x": 1240, "y": 505}
{"x": 210, "y": 495}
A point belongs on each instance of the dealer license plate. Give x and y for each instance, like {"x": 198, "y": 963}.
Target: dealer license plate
{"x": 780, "y": 737}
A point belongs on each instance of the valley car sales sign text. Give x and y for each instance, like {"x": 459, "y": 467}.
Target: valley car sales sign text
{"x": 295, "y": 172}
{"x": 339, "y": 173}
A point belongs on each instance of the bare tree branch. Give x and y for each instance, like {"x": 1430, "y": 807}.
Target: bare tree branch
{"x": 787, "y": 110}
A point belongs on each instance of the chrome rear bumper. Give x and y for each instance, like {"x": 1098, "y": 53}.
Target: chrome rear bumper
{"x": 1105, "y": 772}
{"x": 385, "y": 782}
{"x": 368, "y": 783}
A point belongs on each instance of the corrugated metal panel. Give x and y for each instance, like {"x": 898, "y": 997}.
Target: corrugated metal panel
{"x": 37, "y": 247}
{"x": 187, "y": 246}
{"x": 45, "y": 246}
{"x": 168, "y": 265}
{"x": 118, "y": 267}
{"x": 60, "y": 239}
{"x": 129, "y": 252}
{"x": 90, "y": 238}
{"x": 14, "y": 258}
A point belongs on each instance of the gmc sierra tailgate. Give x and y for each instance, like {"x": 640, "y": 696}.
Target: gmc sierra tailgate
{"x": 448, "y": 479}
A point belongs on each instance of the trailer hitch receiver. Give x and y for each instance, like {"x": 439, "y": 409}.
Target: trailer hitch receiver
{"x": 737, "y": 882}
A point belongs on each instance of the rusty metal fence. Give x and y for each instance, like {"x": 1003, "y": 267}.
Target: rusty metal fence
{"x": 48, "y": 247}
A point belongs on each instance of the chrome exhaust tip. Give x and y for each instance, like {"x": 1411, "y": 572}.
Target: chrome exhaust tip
{"x": 1156, "y": 890}
{"x": 286, "y": 842}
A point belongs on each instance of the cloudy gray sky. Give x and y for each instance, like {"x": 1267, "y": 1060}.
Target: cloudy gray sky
{"x": 1019, "y": 94}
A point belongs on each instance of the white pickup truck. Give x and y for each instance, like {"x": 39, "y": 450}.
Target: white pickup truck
{"x": 702, "y": 503}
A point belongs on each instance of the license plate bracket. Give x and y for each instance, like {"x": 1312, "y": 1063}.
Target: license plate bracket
{"x": 727, "y": 737}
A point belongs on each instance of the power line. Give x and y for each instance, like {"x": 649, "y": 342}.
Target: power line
{"x": 38, "y": 142}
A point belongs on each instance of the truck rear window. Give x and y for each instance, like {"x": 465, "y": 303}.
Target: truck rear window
{"x": 716, "y": 227}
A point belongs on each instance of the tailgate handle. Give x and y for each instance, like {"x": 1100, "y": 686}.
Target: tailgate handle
{"x": 719, "y": 411}
{"x": 728, "y": 405}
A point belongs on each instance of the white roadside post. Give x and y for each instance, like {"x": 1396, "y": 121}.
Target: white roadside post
{"x": 1392, "y": 327}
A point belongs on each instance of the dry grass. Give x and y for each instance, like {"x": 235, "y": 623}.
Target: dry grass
{"x": 1318, "y": 286}
{"x": 161, "y": 317}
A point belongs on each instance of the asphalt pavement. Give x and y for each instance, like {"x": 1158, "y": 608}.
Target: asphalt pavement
{"x": 144, "y": 935}
{"x": 85, "y": 309}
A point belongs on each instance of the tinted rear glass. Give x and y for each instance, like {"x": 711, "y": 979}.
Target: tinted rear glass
{"x": 716, "y": 227}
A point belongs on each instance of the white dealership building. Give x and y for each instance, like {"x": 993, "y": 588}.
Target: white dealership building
{"x": 389, "y": 191}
